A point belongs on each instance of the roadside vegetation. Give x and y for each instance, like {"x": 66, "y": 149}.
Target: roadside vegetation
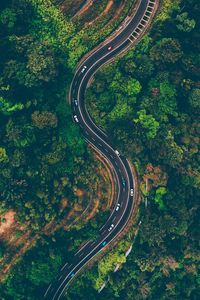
{"x": 48, "y": 177}
{"x": 147, "y": 101}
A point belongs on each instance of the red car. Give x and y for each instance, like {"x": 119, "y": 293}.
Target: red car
{"x": 110, "y": 48}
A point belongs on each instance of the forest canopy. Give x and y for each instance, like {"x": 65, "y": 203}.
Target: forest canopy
{"x": 148, "y": 102}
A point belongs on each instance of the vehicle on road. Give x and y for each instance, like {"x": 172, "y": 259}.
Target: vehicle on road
{"x": 118, "y": 206}
{"x": 83, "y": 69}
{"x": 111, "y": 227}
{"x": 76, "y": 102}
{"x": 76, "y": 118}
{"x": 132, "y": 192}
{"x": 117, "y": 152}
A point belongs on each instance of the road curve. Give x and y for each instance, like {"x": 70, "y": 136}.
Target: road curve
{"x": 99, "y": 140}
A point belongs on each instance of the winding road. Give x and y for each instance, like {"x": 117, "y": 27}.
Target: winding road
{"x": 124, "y": 178}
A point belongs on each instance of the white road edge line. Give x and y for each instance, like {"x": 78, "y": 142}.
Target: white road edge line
{"x": 82, "y": 247}
{"x": 47, "y": 290}
{"x": 121, "y": 216}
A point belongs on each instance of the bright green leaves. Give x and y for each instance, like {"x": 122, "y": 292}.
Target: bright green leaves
{"x": 120, "y": 111}
{"x": 127, "y": 86}
{"x": 148, "y": 124}
{"x": 161, "y": 101}
{"x": 3, "y": 155}
{"x": 56, "y": 30}
{"x": 8, "y": 17}
{"x": 184, "y": 23}
{"x": 133, "y": 87}
{"x": 110, "y": 261}
{"x": 159, "y": 195}
{"x": 113, "y": 95}
{"x": 8, "y": 108}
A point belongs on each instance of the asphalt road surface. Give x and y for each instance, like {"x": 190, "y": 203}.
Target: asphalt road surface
{"x": 121, "y": 213}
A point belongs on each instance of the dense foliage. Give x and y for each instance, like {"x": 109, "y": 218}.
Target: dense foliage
{"x": 148, "y": 102}
{"x": 41, "y": 151}
{"x": 44, "y": 162}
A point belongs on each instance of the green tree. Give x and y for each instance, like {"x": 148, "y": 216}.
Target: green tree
{"x": 148, "y": 123}
{"x": 160, "y": 193}
{"x": 120, "y": 111}
{"x": 3, "y": 155}
{"x": 44, "y": 119}
{"x": 128, "y": 86}
{"x": 8, "y": 108}
{"x": 162, "y": 100}
{"x": 167, "y": 50}
{"x": 20, "y": 135}
{"x": 144, "y": 67}
{"x": 133, "y": 87}
{"x": 194, "y": 100}
{"x": 8, "y": 17}
{"x": 41, "y": 62}
{"x": 105, "y": 102}
{"x": 17, "y": 71}
{"x": 43, "y": 272}
{"x": 184, "y": 23}
{"x": 173, "y": 152}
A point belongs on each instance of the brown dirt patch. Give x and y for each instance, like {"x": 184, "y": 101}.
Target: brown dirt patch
{"x": 71, "y": 7}
{"x": 7, "y": 221}
{"x": 79, "y": 192}
{"x": 63, "y": 203}
{"x": 84, "y": 9}
{"x": 78, "y": 213}
{"x": 117, "y": 14}
{"x": 106, "y": 10}
{"x": 94, "y": 210}
{"x": 107, "y": 175}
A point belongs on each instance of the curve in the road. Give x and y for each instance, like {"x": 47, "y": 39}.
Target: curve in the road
{"x": 98, "y": 139}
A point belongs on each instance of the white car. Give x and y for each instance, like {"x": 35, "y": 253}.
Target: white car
{"x": 76, "y": 102}
{"x": 132, "y": 192}
{"x": 76, "y": 118}
{"x": 111, "y": 227}
{"x": 117, "y": 152}
{"x": 117, "y": 207}
{"x": 83, "y": 69}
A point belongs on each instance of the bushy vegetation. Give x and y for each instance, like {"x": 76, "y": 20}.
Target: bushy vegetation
{"x": 41, "y": 150}
{"x": 40, "y": 265}
{"x": 43, "y": 158}
{"x": 148, "y": 103}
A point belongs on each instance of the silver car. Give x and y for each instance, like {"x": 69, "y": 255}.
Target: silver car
{"x": 76, "y": 118}
{"x": 83, "y": 69}
{"x": 111, "y": 227}
{"x": 131, "y": 192}
{"x": 117, "y": 207}
{"x": 117, "y": 152}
